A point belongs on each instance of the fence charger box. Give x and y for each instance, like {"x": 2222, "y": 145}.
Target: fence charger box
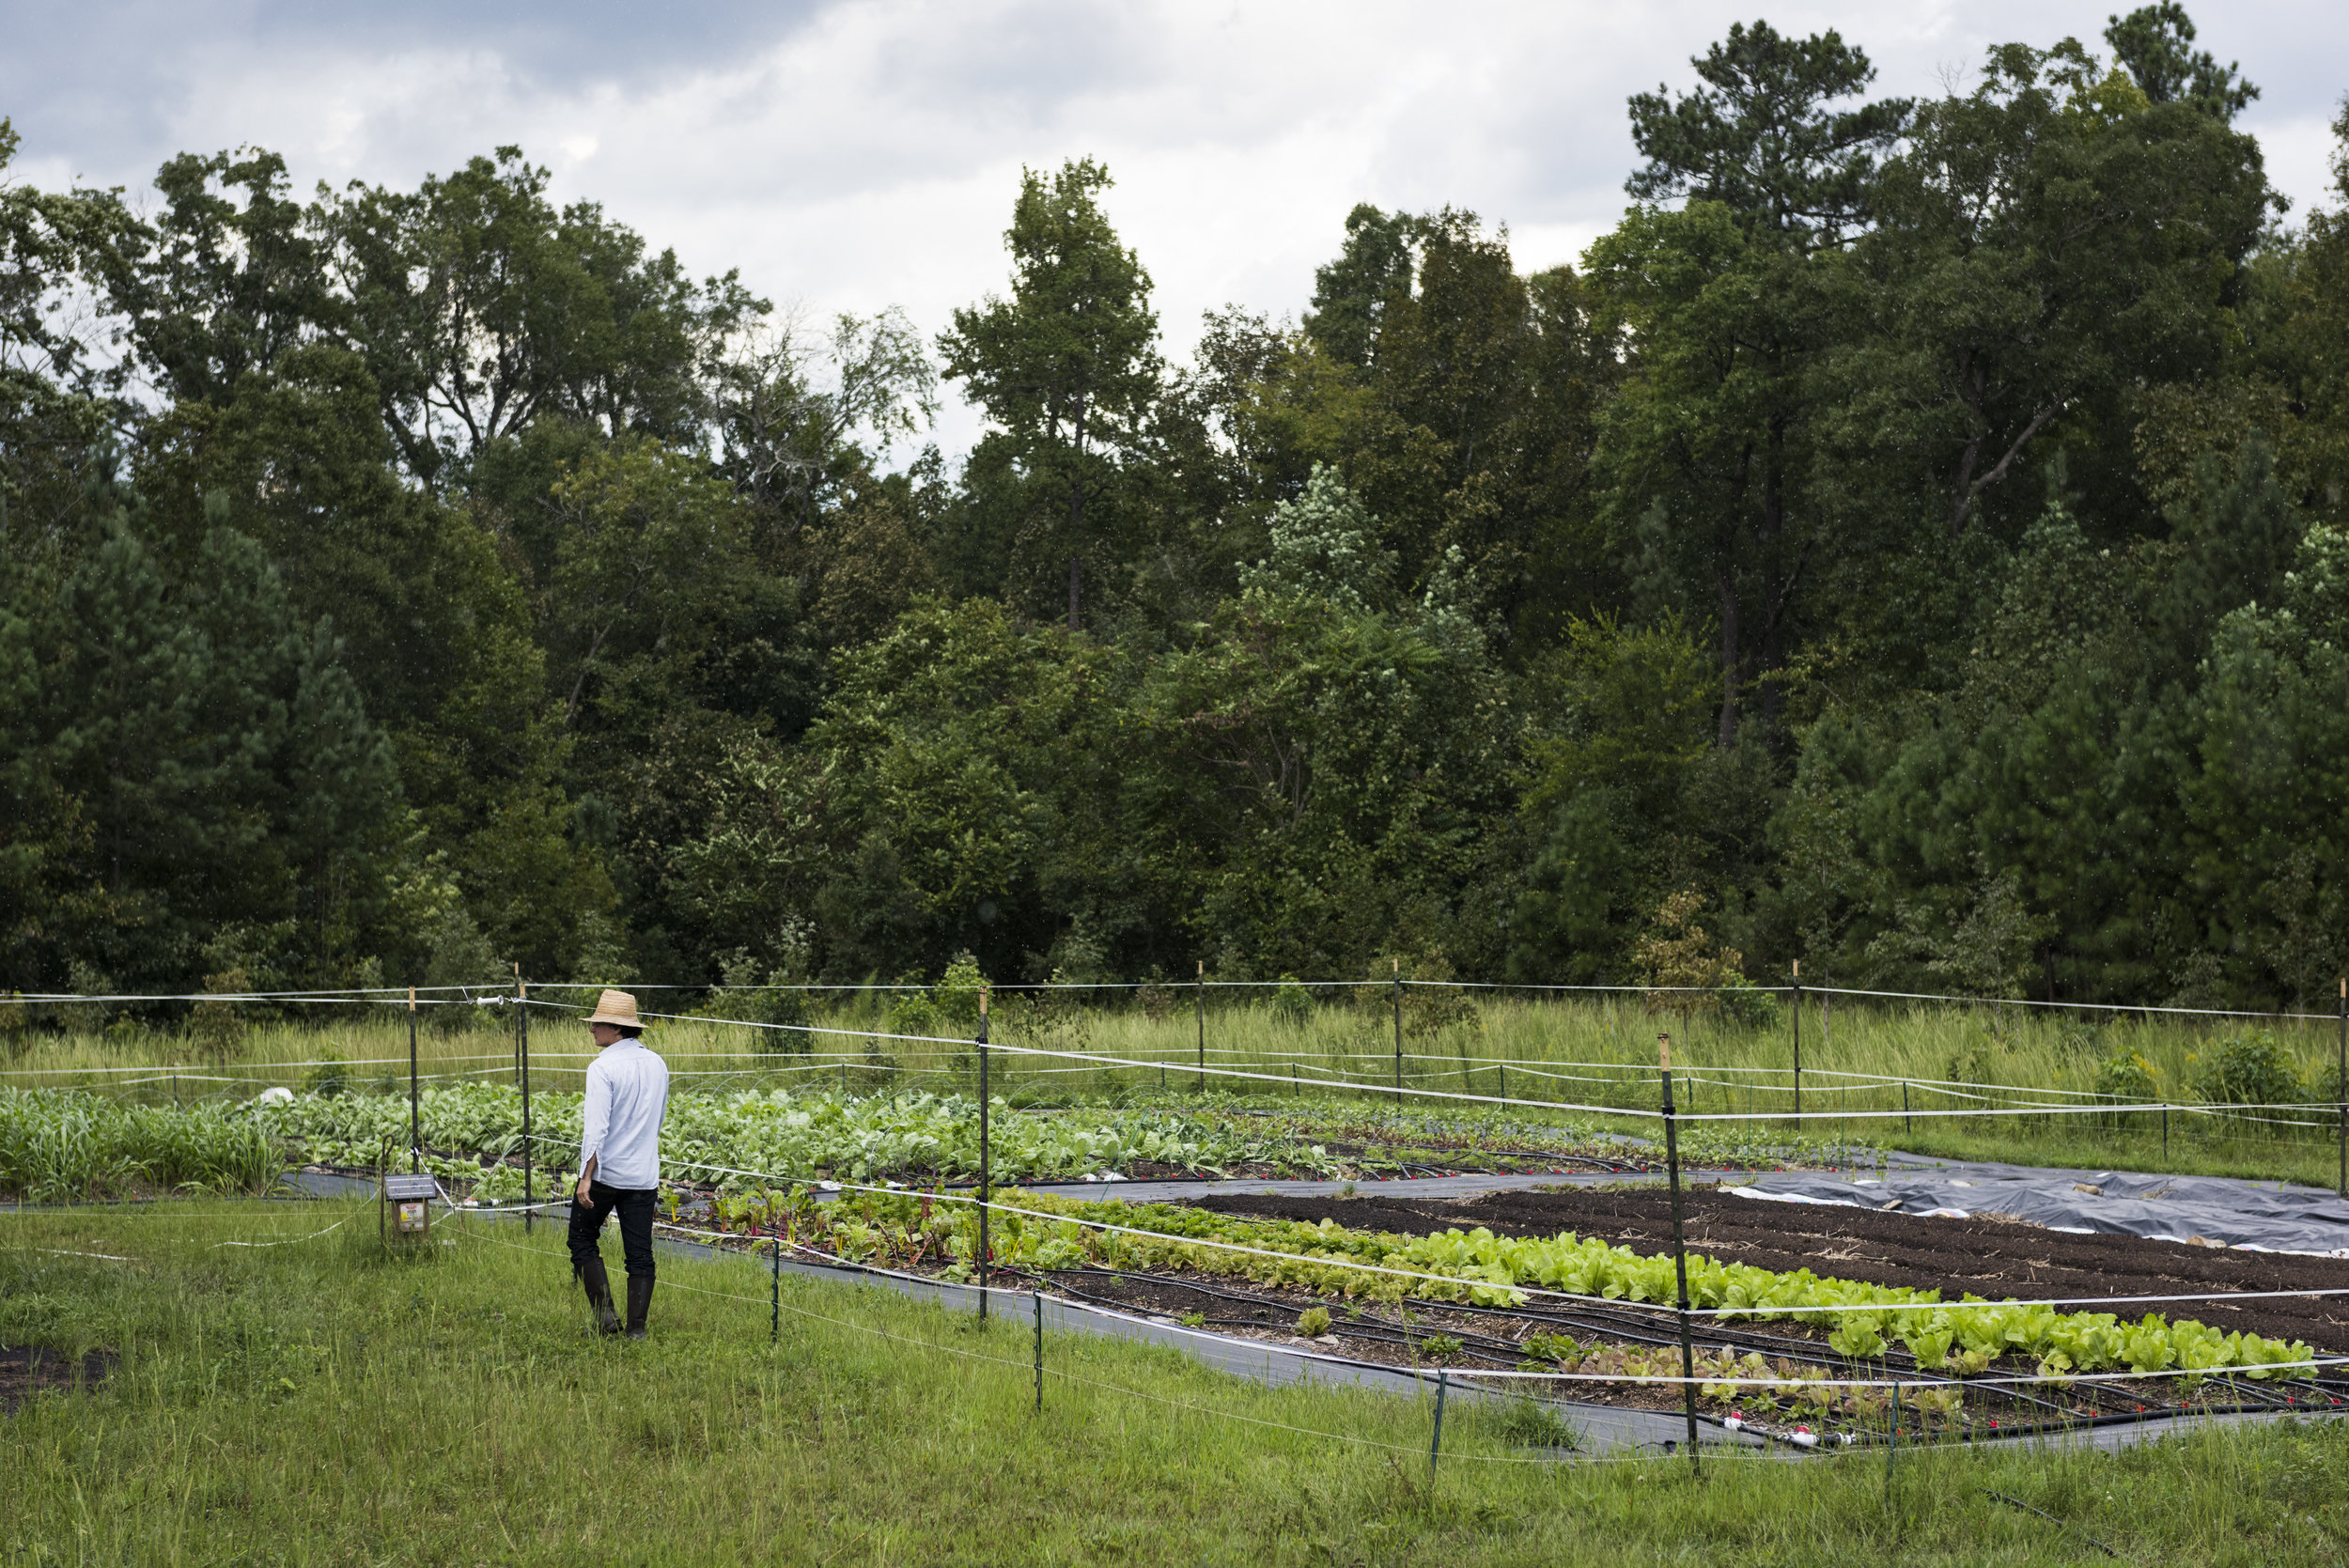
{"x": 405, "y": 1208}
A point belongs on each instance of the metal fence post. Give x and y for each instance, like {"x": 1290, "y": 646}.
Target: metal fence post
{"x": 774, "y": 1320}
{"x": 1398, "y": 1028}
{"x": 1036, "y": 1295}
{"x": 2340, "y": 1086}
{"x": 1199, "y": 1011}
{"x": 1435, "y": 1447}
{"x": 986, "y": 1193}
{"x": 1680, "y": 1252}
{"x": 1798, "y": 1046}
{"x": 530, "y": 1148}
{"x": 415, "y": 1137}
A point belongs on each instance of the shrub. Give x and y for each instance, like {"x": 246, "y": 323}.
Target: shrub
{"x": 2127, "y": 1075}
{"x": 328, "y": 1078}
{"x": 1747, "y": 1003}
{"x": 1292, "y": 1005}
{"x": 1427, "y": 1009}
{"x": 1049, "y": 1019}
{"x": 2248, "y": 1070}
{"x": 85, "y": 1017}
{"x": 956, "y": 998}
{"x": 755, "y": 995}
{"x": 913, "y": 1012}
{"x": 1970, "y": 1064}
{"x": 459, "y": 954}
{"x": 218, "y": 1026}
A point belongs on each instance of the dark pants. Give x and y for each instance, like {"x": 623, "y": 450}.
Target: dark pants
{"x": 587, "y": 1218}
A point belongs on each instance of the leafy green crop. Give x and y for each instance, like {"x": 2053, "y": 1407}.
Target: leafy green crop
{"x": 64, "y": 1144}
{"x": 1476, "y": 1265}
{"x": 57, "y": 1145}
{"x": 802, "y": 1135}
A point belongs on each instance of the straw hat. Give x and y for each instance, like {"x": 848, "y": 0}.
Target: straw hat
{"x": 616, "y": 1007}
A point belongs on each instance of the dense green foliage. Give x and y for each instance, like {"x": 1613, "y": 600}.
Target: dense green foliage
{"x": 1913, "y": 541}
{"x": 715, "y": 1138}
{"x": 70, "y": 1144}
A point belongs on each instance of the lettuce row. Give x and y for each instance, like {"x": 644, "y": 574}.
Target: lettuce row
{"x": 1477, "y": 1266}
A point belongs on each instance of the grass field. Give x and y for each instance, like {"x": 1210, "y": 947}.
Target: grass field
{"x": 1579, "y": 1050}
{"x": 311, "y": 1401}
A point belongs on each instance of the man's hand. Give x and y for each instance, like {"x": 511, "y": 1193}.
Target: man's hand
{"x": 585, "y": 1177}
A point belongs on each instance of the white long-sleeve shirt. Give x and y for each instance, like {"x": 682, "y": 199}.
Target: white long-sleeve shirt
{"x": 627, "y": 1099}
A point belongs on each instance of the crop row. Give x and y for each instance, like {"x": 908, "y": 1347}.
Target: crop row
{"x": 58, "y": 1145}
{"x": 806, "y": 1133}
{"x": 1863, "y": 1320}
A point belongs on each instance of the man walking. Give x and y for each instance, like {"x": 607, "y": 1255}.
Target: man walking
{"x": 619, "y": 1159}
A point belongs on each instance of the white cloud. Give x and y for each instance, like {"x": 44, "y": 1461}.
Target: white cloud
{"x": 852, "y": 156}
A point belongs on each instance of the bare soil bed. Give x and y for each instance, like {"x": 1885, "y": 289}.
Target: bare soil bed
{"x": 1987, "y": 1257}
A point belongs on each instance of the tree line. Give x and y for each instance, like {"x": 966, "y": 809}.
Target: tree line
{"x": 1913, "y": 541}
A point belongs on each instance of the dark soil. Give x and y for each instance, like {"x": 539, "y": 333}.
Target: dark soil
{"x": 1384, "y": 1333}
{"x": 1987, "y": 1258}
{"x": 26, "y": 1370}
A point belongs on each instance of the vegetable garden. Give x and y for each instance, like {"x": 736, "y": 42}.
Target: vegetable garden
{"x": 873, "y": 1162}
{"x": 1789, "y": 1352}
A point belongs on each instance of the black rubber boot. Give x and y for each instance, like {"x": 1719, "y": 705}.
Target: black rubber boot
{"x": 598, "y": 1289}
{"x": 639, "y": 1303}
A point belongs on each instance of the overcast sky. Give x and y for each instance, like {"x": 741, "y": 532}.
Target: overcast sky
{"x": 850, "y": 156}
